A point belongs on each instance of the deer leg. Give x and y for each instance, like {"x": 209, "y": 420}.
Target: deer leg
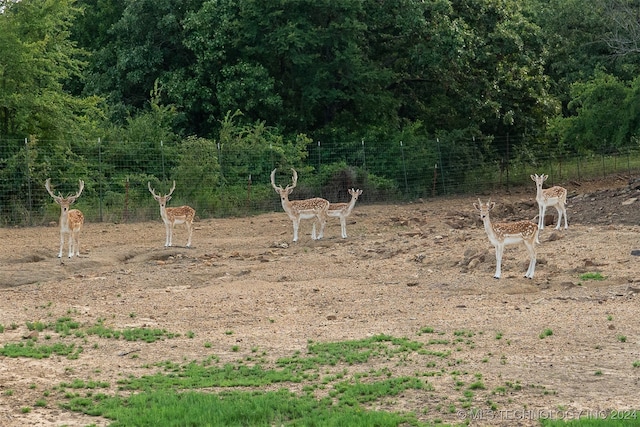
{"x": 562, "y": 211}
{"x": 323, "y": 222}
{"x": 190, "y": 229}
{"x": 61, "y": 244}
{"x": 343, "y": 226}
{"x": 541, "y": 213}
{"x": 296, "y": 225}
{"x": 532, "y": 260}
{"x": 167, "y": 229}
{"x": 72, "y": 243}
{"x": 499, "y": 251}
{"x": 77, "y": 243}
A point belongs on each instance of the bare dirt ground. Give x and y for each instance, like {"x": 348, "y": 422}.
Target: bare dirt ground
{"x": 402, "y": 268}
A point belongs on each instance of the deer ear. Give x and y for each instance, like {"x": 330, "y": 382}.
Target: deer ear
{"x": 475, "y": 205}
{"x": 492, "y": 205}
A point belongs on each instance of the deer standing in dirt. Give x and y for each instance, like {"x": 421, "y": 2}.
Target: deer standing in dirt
{"x": 301, "y": 209}
{"x": 71, "y": 220}
{"x": 172, "y": 216}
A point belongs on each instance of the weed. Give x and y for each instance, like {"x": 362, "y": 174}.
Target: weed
{"x": 592, "y": 276}
{"x": 545, "y": 333}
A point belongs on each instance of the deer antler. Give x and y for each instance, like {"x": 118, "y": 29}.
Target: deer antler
{"x": 73, "y": 198}
{"x": 295, "y": 179}
{"x": 172, "y": 188}
{"x": 289, "y": 187}
{"x": 151, "y": 189}
{"x": 157, "y": 196}
{"x": 273, "y": 181}
{"x": 47, "y": 185}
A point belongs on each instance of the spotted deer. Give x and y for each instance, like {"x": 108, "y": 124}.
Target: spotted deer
{"x": 71, "y": 220}
{"x": 551, "y": 197}
{"x": 343, "y": 210}
{"x": 173, "y": 216}
{"x": 301, "y": 209}
{"x": 509, "y": 233}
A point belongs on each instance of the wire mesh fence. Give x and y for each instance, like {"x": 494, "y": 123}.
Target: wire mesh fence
{"x": 220, "y": 181}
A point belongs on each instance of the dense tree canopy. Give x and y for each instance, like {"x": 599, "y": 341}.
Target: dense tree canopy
{"x": 453, "y": 80}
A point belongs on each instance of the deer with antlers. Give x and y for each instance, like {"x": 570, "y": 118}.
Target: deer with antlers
{"x": 343, "y": 210}
{"x": 71, "y": 220}
{"x": 301, "y": 209}
{"x": 173, "y": 216}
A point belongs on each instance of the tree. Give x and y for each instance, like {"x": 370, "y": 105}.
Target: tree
{"x": 134, "y": 44}
{"x": 597, "y": 124}
{"x": 37, "y": 57}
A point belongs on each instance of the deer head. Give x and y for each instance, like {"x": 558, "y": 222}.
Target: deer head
{"x": 162, "y": 199}
{"x": 354, "y": 193}
{"x": 64, "y": 202}
{"x": 284, "y": 192}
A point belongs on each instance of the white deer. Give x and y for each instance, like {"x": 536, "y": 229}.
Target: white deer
{"x": 343, "y": 210}
{"x": 301, "y": 209}
{"x": 71, "y": 221}
{"x": 173, "y": 216}
{"x": 554, "y": 196}
{"x": 509, "y": 233}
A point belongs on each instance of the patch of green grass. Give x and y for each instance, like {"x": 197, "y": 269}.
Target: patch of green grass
{"x": 592, "y": 276}
{"x": 545, "y": 333}
{"x": 35, "y": 326}
{"x": 335, "y": 383}
{"x": 129, "y": 334}
{"x": 232, "y": 408}
{"x": 31, "y": 350}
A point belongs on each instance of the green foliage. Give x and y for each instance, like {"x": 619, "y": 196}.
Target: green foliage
{"x": 545, "y": 333}
{"x": 129, "y": 334}
{"x": 592, "y": 276}
{"x": 231, "y": 408}
{"x": 412, "y": 99}
{"x": 38, "y": 57}
{"x": 32, "y": 350}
